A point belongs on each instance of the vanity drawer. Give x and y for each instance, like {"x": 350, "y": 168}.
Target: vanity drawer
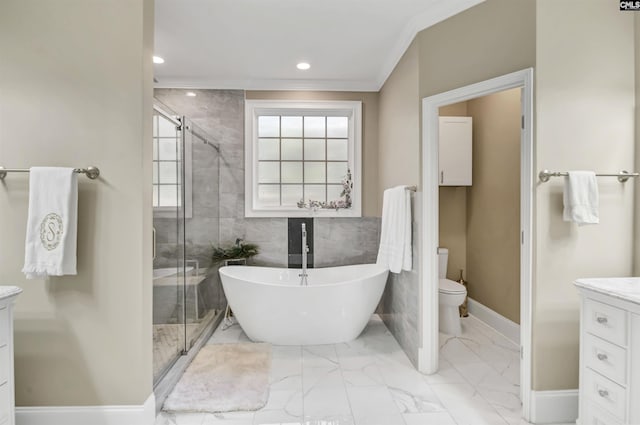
{"x": 606, "y": 321}
{"x": 605, "y": 393}
{"x": 596, "y": 416}
{"x": 606, "y": 358}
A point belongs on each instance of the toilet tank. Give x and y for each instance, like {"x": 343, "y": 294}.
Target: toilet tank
{"x": 443, "y": 258}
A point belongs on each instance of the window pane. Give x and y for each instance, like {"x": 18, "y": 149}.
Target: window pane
{"x": 269, "y": 149}
{"x": 155, "y": 149}
{"x": 167, "y": 149}
{"x": 292, "y": 149}
{"x": 333, "y": 192}
{"x": 168, "y": 195}
{"x": 292, "y": 172}
{"x": 314, "y": 172}
{"x": 166, "y": 128}
{"x": 268, "y": 172}
{"x": 315, "y": 192}
{"x": 168, "y": 172}
{"x": 155, "y": 172}
{"x": 291, "y": 194}
{"x": 291, "y": 126}
{"x": 268, "y": 126}
{"x": 338, "y": 150}
{"x": 314, "y": 126}
{"x": 336, "y": 171}
{"x": 269, "y": 195}
{"x": 338, "y": 127}
{"x": 155, "y": 125}
{"x": 155, "y": 196}
{"x": 313, "y": 149}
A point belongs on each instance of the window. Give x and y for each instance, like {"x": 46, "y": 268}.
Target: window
{"x": 167, "y": 166}
{"x": 300, "y": 156}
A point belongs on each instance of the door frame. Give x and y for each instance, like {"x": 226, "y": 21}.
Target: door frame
{"x": 428, "y": 351}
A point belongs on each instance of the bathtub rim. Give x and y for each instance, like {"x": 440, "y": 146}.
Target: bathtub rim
{"x": 379, "y": 270}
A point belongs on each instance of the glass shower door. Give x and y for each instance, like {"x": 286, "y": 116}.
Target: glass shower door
{"x": 168, "y": 263}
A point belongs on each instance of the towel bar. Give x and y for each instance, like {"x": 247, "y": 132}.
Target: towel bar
{"x": 91, "y": 172}
{"x": 622, "y": 176}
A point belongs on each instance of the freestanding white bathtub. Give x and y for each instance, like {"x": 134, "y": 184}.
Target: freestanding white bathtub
{"x": 271, "y": 306}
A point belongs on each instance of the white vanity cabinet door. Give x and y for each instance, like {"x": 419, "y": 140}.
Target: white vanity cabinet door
{"x": 455, "y": 151}
{"x": 634, "y": 365}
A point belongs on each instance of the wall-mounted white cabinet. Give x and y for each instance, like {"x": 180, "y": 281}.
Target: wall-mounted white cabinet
{"x": 455, "y": 151}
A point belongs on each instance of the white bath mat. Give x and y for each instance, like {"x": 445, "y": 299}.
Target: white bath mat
{"x": 224, "y": 378}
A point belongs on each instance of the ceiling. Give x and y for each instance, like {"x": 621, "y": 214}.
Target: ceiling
{"x": 256, "y": 44}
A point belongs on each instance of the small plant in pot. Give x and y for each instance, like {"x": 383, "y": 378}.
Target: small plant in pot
{"x": 238, "y": 253}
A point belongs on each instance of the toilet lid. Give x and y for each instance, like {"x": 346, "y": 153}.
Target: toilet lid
{"x": 450, "y": 287}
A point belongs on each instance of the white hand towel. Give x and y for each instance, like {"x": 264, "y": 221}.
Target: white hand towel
{"x": 581, "y": 198}
{"x": 50, "y": 248}
{"x": 395, "y": 237}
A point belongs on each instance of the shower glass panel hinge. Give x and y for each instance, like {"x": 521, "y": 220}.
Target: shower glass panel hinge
{"x": 522, "y": 237}
{"x": 521, "y": 352}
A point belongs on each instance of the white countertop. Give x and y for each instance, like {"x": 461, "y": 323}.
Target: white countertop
{"x": 9, "y": 291}
{"x": 624, "y": 288}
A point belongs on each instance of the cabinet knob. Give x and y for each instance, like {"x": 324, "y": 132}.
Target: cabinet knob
{"x": 603, "y": 393}
{"x": 441, "y": 177}
{"x": 601, "y": 320}
{"x": 602, "y": 356}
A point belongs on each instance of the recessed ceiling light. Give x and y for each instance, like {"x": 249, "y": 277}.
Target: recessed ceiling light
{"x": 303, "y": 66}
{"x": 190, "y": 94}
{"x": 158, "y": 59}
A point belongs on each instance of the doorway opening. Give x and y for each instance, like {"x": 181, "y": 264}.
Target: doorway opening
{"x": 517, "y": 83}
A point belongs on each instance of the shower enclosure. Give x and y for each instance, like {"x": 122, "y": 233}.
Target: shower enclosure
{"x": 187, "y": 294}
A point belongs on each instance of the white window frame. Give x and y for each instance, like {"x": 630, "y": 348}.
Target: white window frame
{"x": 255, "y": 108}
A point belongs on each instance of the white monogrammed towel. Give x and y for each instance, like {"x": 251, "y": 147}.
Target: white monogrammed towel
{"x": 50, "y": 248}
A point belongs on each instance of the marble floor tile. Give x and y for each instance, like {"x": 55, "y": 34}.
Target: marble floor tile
{"x": 466, "y": 405}
{"x": 437, "y": 418}
{"x": 373, "y": 405}
{"x": 370, "y": 381}
{"x": 230, "y": 418}
{"x": 287, "y": 401}
{"x": 326, "y": 402}
{"x": 276, "y": 417}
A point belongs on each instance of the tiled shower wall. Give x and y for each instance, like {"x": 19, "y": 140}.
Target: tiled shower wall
{"x": 338, "y": 241}
{"x": 400, "y": 304}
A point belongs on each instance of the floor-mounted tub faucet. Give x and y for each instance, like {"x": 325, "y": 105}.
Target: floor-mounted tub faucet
{"x": 305, "y": 250}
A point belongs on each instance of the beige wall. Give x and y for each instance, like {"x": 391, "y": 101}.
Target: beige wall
{"x": 371, "y": 201}
{"x": 76, "y": 90}
{"x": 399, "y": 118}
{"x": 585, "y": 120}
{"x": 452, "y": 212}
{"x": 493, "y": 204}
{"x": 491, "y": 39}
{"x": 636, "y": 257}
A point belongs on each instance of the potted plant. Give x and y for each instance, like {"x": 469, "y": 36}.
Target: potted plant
{"x": 234, "y": 254}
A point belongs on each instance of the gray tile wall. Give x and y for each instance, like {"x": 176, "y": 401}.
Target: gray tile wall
{"x": 220, "y": 113}
{"x": 400, "y": 304}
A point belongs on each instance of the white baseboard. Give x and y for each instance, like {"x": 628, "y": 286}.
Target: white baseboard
{"x": 144, "y": 414}
{"x": 554, "y": 407}
{"x": 498, "y": 322}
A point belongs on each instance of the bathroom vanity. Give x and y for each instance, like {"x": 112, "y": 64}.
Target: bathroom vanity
{"x": 609, "y": 351}
{"x": 8, "y": 296}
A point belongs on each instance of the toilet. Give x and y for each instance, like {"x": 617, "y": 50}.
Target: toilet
{"x": 450, "y": 295}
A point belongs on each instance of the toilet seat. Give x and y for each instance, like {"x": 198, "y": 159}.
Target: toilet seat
{"x": 447, "y": 286}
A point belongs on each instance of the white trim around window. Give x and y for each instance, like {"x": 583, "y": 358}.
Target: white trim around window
{"x": 256, "y": 108}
